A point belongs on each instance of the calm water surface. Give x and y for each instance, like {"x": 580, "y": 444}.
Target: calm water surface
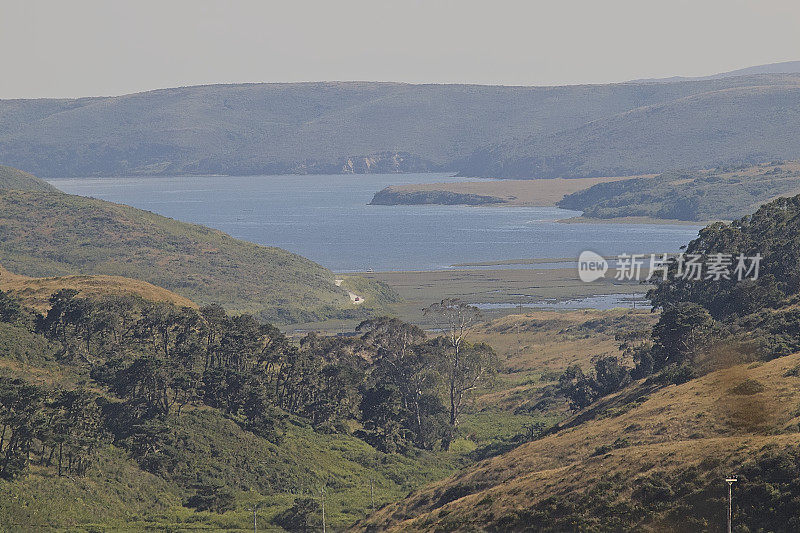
{"x": 327, "y": 219}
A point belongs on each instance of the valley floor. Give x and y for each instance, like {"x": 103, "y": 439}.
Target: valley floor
{"x": 498, "y": 288}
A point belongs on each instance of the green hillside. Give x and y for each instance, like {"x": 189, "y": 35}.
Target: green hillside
{"x": 199, "y": 447}
{"x": 721, "y": 194}
{"x": 118, "y": 493}
{"x": 54, "y": 234}
{"x": 587, "y": 130}
{"x": 17, "y": 180}
{"x": 123, "y": 413}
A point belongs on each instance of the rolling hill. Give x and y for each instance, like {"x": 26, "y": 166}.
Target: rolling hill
{"x": 644, "y": 460}
{"x": 719, "y": 194}
{"x": 568, "y": 131}
{"x": 724, "y": 126}
{"x": 35, "y": 292}
{"x": 17, "y": 180}
{"x": 654, "y": 454}
{"x": 785, "y": 67}
{"x": 51, "y": 234}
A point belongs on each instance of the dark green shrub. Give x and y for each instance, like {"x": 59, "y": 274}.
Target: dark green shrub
{"x": 304, "y": 515}
{"x": 215, "y": 498}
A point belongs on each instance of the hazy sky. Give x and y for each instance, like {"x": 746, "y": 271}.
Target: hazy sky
{"x": 106, "y": 47}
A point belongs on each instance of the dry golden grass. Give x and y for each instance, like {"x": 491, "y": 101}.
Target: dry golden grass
{"x": 536, "y": 346}
{"x": 553, "y": 340}
{"x": 52, "y": 376}
{"x": 714, "y": 417}
{"x": 35, "y": 292}
{"x": 526, "y": 193}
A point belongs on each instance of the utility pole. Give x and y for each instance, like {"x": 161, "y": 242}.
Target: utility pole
{"x": 730, "y": 481}
{"x": 323, "y": 508}
{"x": 254, "y": 508}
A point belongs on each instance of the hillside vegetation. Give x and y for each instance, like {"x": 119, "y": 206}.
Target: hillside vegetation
{"x": 147, "y": 475}
{"x": 54, "y": 234}
{"x": 647, "y": 460}
{"x": 720, "y": 194}
{"x": 710, "y": 390}
{"x": 586, "y": 130}
{"x": 119, "y": 412}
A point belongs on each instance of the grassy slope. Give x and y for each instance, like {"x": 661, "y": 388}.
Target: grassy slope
{"x": 117, "y": 492}
{"x": 35, "y": 292}
{"x": 664, "y": 431}
{"x": 704, "y": 423}
{"x": 15, "y": 179}
{"x": 48, "y": 234}
{"x": 722, "y": 194}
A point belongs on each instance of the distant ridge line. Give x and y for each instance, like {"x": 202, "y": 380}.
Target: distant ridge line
{"x": 784, "y": 67}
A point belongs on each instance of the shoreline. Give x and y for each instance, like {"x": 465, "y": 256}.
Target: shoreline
{"x": 443, "y": 174}
{"x": 633, "y": 220}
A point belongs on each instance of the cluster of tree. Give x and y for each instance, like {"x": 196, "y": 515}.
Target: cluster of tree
{"x": 756, "y": 312}
{"x": 303, "y": 515}
{"x": 52, "y": 427}
{"x": 771, "y": 232}
{"x": 402, "y": 389}
{"x": 582, "y": 389}
{"x": 753, "y": 317}
{"x": 212, "y": 497}
{"x": 401, "y": 402}
{"x": 46, "y": 425}
{"x": 10, "y": 309}
{"x": 672, "y": 348}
